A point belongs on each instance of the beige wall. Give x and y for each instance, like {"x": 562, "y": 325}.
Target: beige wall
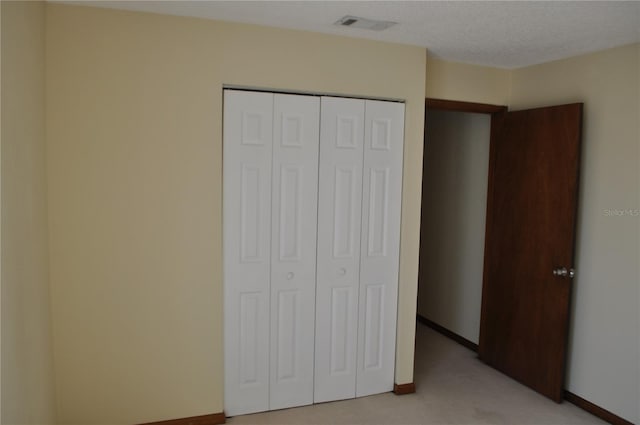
{"x": 27, "y": 372}
{"x": 133, "y": 128}
{"x": 134, "y": 105}
{"x": 469, "y": 83}
{"x": 454, "y": 203}
{"x": 604, "y": 360}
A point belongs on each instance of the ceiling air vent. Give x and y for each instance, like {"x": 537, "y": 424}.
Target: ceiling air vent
{"x": 363, "y": 23}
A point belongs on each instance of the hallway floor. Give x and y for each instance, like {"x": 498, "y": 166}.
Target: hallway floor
{"x": 453, "y": 387}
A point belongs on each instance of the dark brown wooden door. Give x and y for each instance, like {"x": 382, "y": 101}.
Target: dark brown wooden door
{"x": 531, "y": 213}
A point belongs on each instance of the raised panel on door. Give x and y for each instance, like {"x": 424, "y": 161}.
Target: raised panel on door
{"x": 247, "y": 150}
{"x": 293, "y": 249}
{"x": 380, "y": 246}
{"x": 339, "y": 215}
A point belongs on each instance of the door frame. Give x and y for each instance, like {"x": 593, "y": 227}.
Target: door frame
{"x": 465, "y": 107}
{"x": 460, "y": 106}
{"x": 468, "y": 107}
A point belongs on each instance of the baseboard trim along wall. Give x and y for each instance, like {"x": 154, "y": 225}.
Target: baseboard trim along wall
{"x": 586, "y": 405}
{"x": 595, "y": 410}
{"x": 402, "y": 389}
{"x": 212, "y": 419}
{"x": 446, "y": 332}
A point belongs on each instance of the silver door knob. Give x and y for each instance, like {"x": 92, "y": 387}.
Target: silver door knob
{"x": 290, "y": 275}
{"x": 564, "y": 272}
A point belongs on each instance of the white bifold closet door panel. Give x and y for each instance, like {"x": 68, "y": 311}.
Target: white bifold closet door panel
{"x": 339, "y": 212}
{"x": 270, "y": 226}
{"x": 380, "y": 249}
{"x": 247, "y": 151}
{"x": 361, "y": 150}
{"x": 293, "y": 249}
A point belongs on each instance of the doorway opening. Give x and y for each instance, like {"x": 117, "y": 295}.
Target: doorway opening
{"x": 452, "y": 225}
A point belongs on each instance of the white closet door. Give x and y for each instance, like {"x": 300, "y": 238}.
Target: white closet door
{"x": 293, "y": 249}
{"x": 247, "y": 141}
{"x": 381, "y": 204}
{"x": 339, "y": 212}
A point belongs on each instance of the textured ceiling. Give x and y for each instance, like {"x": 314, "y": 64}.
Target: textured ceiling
{"x": 500, "y": 34}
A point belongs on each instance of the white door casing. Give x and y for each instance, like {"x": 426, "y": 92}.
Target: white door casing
{"x": 380, "y": 249}
{"x": 339, "y": 212}
{"x": 293, "y": 249}
{"x": 247, "y": 151}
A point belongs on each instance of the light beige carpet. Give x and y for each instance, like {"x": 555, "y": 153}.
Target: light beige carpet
{"x": 453, "y": 387}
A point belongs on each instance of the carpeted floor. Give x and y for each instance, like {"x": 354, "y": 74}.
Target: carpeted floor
{"x": 453, "y": 387}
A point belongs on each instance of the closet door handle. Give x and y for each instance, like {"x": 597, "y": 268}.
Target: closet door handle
{"x": 290, "y": 275}
{"x": 342, "y": 271}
